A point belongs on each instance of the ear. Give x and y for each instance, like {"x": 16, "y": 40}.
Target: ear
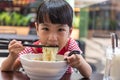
{"x": 71, "y": 30}
{"x": 36, "y": 26}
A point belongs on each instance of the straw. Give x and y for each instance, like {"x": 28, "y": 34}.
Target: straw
{"x": 114, "y": 39}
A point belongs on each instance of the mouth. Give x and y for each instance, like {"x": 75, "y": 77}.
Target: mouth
{"x": 52, "y": 45}
{"x": 48, "y": 44}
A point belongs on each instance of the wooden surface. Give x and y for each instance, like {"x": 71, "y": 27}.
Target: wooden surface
{"x": 17, "y": 75}
{"x": 19, "y": 30}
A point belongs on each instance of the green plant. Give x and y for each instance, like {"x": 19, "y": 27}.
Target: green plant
{"x": 113, "y": 25}
{"x": 76, "y": 21}
{"x": 14, "y": 19}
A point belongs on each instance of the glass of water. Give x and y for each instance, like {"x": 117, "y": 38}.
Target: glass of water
{"x": 112, "y": 71}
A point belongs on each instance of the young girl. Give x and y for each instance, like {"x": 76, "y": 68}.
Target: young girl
{"x": 53, "y": 26}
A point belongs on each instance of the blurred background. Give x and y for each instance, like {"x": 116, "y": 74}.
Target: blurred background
{"x": 93, "y": 22}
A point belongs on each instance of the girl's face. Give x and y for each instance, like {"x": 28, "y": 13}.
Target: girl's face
{"x": 53, "y": 34}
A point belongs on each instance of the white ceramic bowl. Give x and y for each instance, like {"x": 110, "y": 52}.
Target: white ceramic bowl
{"x": 43, "y": 70}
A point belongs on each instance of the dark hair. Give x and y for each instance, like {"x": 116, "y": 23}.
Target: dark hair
{"x": 58, "y": 11}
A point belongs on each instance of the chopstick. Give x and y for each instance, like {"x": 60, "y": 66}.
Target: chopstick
{"x": 113, "y": 42}
{"x": 72, "y": 52}
{"x": 5, "y": 43}
{"x": 116, "y": 37}
{"x": 38, "y": 46}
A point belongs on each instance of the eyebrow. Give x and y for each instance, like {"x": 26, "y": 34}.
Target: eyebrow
{"x": 59, "y": 25}
{"x": 45, "y": 24}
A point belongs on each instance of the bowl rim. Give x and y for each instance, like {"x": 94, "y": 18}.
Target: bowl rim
{"x": 21, "y": 57}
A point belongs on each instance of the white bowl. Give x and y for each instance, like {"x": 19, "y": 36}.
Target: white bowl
{"x": 43, "y": 70}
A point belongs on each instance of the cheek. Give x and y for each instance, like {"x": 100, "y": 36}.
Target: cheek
{"x": 42, "y": 38}
{"x": 43, "y": 41}
{"x": 40, "y": 33}
{"x": 63, "y": 40}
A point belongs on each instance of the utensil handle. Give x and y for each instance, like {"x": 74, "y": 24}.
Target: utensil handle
{"x": 74, "y": 52}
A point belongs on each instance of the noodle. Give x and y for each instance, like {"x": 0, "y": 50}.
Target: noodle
{"x": 49, "y": 53}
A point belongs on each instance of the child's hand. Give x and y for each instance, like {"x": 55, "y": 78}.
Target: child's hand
{"x": 73, "y": 60}
{"x": 14, "y": 48}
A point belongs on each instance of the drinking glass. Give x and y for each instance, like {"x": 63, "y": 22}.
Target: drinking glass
{"x": 112, "y": 71}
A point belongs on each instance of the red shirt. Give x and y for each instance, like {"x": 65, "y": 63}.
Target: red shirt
{"x": 70, "y": 46}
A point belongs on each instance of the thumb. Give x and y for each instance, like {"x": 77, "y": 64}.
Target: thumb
{"x": 66, "y": 54}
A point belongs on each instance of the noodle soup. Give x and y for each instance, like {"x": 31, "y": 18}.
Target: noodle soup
{"x": 37, "y": 69}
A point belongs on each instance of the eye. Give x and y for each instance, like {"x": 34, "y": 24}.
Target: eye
{"x": 60, "y": 30}
{"x": 46, "y": 29}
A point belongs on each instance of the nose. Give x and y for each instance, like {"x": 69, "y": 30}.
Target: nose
{"x": 52, "y": 37}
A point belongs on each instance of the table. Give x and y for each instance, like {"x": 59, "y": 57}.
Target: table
{"x": 17, "y": 75}
{"x": 8, "y": 37}
{"x": 18, "y": 37}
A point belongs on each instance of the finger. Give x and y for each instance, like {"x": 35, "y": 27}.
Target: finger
{"x": 66, "y": 55}
{"x": 15, "y": 46}
{"x": 17, "y": 50}
{"x": 12, "y": 42}
{"x": 74, "y": 63}
{"x": 71, "y": 58}
{"x": 77, "y": 56}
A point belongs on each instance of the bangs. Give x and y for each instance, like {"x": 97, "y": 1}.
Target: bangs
{"x": 56, "y": 13}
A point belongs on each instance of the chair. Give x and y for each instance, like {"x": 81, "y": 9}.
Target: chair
{"x": 82, "y": 46}
{"x": 3, "y": 50}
